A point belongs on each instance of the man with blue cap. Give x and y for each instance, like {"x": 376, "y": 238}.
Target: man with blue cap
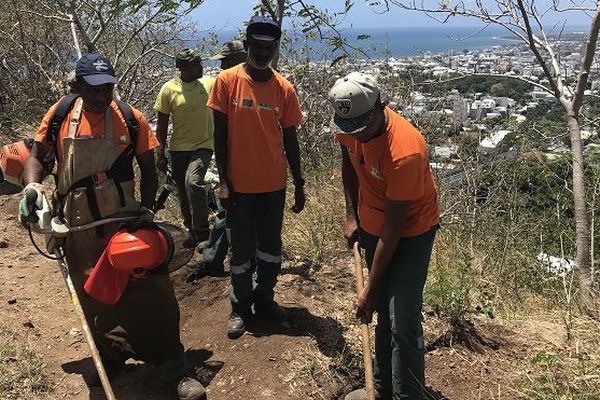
{"x": 94, "y": 146}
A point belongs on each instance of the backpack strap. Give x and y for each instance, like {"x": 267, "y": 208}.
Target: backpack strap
{"x": 133, "y": 126}
{"x": 65, "y": 104}
{"x": 60, "y": 112}
{"x": 122, "y": 168}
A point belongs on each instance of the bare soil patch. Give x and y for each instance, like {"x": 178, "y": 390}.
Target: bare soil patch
{"x": 315, "y": 356}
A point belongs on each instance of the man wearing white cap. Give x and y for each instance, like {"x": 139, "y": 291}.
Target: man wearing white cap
{"x": 256, "y": 113}
{"x": 392, "y": 210}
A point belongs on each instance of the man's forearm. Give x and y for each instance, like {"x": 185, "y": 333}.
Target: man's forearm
{"x": 292, "y": 153}
{"x": 221, "y": 160}
{"x": 148, "y": 189}
{"x": 148, "y": 178}
{"x": 395, "y": 218}
{"x": 221, "y": 146}
{"x": 34, "y": 170}
{"x": 384, "y": 251}
{"x": 162, "y": 129}
{"x": 350, "y": 183}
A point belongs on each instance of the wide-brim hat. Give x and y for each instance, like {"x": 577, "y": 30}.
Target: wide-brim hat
{"x": 186, "y": 56}
{"x": 235, "y": 48}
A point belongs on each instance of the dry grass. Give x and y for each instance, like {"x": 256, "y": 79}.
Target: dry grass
{"x": 562, "y": 369}
{"x": 464, "y": 280}
{"x": 22, "y": 373}
{"x": 316, "y": 233}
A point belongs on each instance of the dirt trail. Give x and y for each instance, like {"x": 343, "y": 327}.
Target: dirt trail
{"x": 299, "y": 361}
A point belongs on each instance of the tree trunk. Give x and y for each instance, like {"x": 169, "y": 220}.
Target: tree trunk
{"x": 582, "y": 220}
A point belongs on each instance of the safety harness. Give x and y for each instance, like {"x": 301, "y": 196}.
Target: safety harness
{"x": 120, "y": 171}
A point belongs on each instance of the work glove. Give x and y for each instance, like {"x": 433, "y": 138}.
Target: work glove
{"x": 143, "y": 220}
{"x": 31, "y": 202}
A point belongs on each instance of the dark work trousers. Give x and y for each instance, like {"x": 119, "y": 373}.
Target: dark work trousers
{"x": 143, "y": 325}
{"x": 255, "y": 223}
{"x": 189, "y": 168}
{"x": 399, "y": 362}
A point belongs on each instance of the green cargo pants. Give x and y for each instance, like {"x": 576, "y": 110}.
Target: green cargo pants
{"x": 399, "y": 362}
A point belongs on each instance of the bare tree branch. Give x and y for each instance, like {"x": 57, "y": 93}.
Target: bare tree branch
{"x": 586, "y": 62}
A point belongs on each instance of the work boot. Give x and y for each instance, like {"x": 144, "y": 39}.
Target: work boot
{"x": 203, "y": 269}
{"x": 358, "y": 394}
{"x": 236, "y": 325}
{"x": 190, "y": 389}
{"x": 271, "y": 311}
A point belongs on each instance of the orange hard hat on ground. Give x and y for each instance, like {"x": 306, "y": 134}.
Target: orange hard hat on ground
{"x": 137, "y": 252}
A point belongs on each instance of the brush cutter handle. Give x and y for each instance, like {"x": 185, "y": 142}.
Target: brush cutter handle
{"x": 364, "y": 328}
{"x": 87, "y": 332}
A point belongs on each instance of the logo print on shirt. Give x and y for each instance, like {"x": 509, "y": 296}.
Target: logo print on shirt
{"x": 344, "y": 105}
{"x": 234, "y": 102}
{"x": 265, "y": 107}
{"x": 247, "y": 103}
{"x": 374, "y": 173}
{"x": 100, "y": 65}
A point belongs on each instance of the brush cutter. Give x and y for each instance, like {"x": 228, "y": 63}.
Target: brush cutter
{"x": 147, "y": 236}
{"x": 364, "y": 328}
{"x": 44, "y": 225}
{"x": 12, "y": 160}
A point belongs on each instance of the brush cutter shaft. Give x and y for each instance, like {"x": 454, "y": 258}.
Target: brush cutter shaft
{"x": 87, "y": 333}
{"x": 364, "y": 328}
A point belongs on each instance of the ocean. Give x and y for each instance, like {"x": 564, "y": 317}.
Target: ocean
{"x": 377, "y": 43}
{"x": 403, "y": 42}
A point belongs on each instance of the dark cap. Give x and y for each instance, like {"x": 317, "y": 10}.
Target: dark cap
{"x": 95, "y": 69}
{"x": 230, "y": 49}
{"x": 263, "y": 28}
{"x": 186, "y": 56}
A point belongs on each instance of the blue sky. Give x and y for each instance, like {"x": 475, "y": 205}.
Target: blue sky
{"x": 230, "y": 14}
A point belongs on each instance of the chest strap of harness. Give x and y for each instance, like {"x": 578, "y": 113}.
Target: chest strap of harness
{"x": 120, "y": 171}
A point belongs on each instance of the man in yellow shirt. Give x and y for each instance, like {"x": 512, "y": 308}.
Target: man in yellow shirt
{"x": 191, "y": 144}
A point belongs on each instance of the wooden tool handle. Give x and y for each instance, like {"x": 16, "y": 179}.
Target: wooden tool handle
{"x": 364, "y": 328}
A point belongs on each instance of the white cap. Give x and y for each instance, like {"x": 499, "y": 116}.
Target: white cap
{"x": 353, "y": 99}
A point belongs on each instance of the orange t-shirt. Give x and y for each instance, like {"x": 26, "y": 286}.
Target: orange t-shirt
{"x": 256, "y": 114}
{"x": 93, "y": 125}
{"x": 393, "y": 166}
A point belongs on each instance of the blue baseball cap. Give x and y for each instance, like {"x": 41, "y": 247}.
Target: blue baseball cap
{"x": 95, "y": 69}
{"x": 263, "y": 28}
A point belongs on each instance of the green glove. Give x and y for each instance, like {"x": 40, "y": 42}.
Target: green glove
{"x": 31, "y": 202}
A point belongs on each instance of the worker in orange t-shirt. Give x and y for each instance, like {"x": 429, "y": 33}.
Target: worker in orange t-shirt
{"x": 392, "y": 210}
{"x": 94, "y": 150}
{"x": 256, "y": 112}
